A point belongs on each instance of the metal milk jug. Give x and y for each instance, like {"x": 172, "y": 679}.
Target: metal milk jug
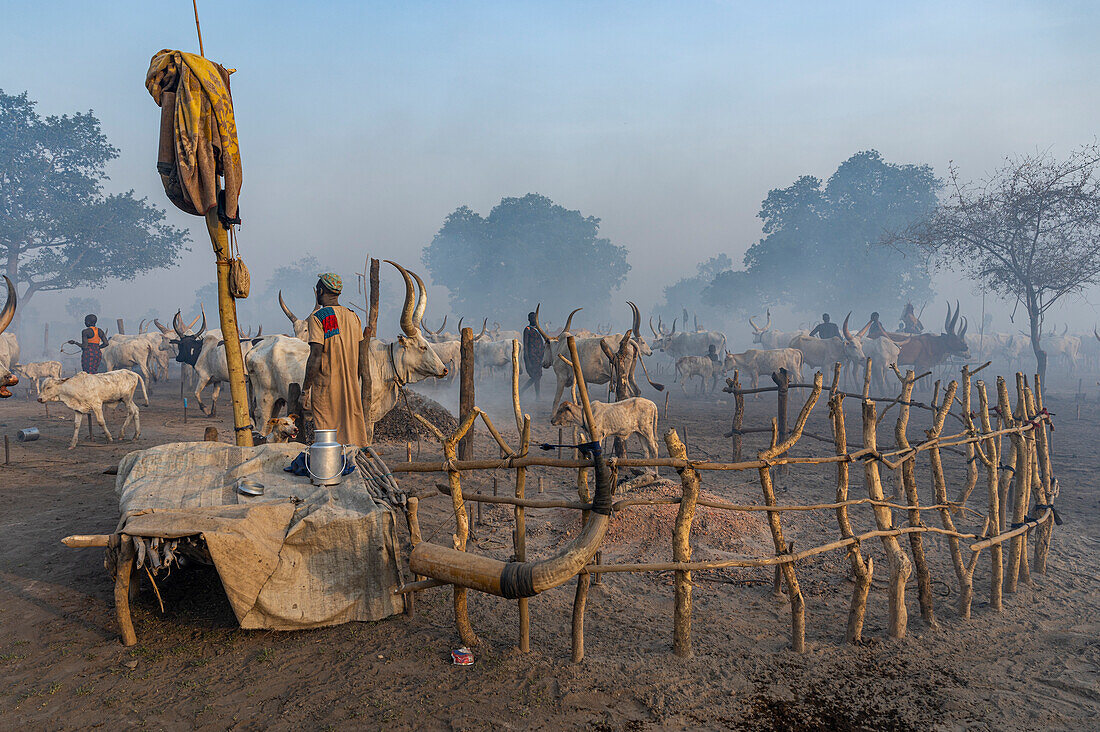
{"x": 325, "y": 459}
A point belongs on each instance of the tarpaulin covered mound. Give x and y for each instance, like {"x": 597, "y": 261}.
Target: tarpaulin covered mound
{"x": 299, "y": 556}
{"x": 400, "y": 426}
{"x": 644, "y": 533}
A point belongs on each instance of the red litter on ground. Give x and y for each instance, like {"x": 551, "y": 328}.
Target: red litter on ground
{"x": 462, "y": 657}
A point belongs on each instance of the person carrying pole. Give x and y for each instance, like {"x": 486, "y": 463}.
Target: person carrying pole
{"x": 92, "y": 342}
{"x": 331, "y": 387}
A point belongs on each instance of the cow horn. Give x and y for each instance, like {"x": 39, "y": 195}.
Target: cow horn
{"x": 8, "y": 312}
{"x": 847, "y": 333}
{"x": 1095, "y": 333}
{"x": 955, "y": 320}
{"x": 755, "y": 327}
{"x": 260, "y": 330}
{"x": 651, "y": 327}
{"x": 538, "y": 326}
{"x": 408, "y": 324}
{"x": 202, "y": 329}
{"x": 441, "y": 326}
{"x": 1065, "y": 329}
{"x": 482, "y": 333}
{"x": 421, "y": 300}
{"x": 637, "y": 322}
{"x": 203, "y": 315}
{"x": 160, "y": 326}
{"x": 141, "y": 326}
{"x": 962, "y": 332}
{"x": 286, "y": 311}
{"x": 177, "y": 324}
{"x": 673, "y": 331}
{"x": 569, "y": 322}
{"x": 460, "y": 328}
{"x": 769, "y": 323}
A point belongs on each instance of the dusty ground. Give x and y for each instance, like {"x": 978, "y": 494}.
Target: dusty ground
{"x": 1035, "y": 665}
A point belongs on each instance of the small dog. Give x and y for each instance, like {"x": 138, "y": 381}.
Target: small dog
{"x": 278, "y": 430}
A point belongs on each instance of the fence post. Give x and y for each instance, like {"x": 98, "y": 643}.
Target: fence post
{"x": 681, "y": 546}
{"x": 992, "y": 464}
{"x": 738, "y": 417}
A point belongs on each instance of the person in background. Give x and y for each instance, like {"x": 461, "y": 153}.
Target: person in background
{"x": 331, "y": 386}
{"x": 712, "y": 353}
{"x": 875, "y": 328}
{"x": 826, "y": 328}
{"x": 533, "y": 349}
{"x": 92, "y": 342}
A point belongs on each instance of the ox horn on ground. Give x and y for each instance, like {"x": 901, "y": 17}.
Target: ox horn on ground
{"x": 520, "y": 579}
{"x": 286, "y": 311}
{"x": 408, "y": 324}
{"x": 8, "y": 313}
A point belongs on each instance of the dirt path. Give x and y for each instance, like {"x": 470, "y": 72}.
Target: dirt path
{"x": 1034, "y": 665}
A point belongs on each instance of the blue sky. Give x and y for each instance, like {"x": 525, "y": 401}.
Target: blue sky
{"x": 362, "y": 125}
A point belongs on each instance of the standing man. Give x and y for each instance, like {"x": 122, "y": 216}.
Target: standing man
{"x": 826, "y": 328}
{"x": 92, "y": 342}
{"x": 331, "y": 387}
{"x": 533, "y": 349}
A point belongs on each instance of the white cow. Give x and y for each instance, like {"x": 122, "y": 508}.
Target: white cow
{"x": 633, "y": 416}
{"x": 89, "y": 393}
{"x": 770, "y": 338}
{"x": 39, "y": 370}
{"x": 760, "y": 361}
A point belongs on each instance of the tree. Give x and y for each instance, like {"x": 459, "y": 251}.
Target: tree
{"x": 78, "y": 307}
{"x": 1028, "y": 232}
{"x": 688, "y": 292}
{"x": 821, "y": 240}
{"x": 58, "y": 229}
{"x": 500, "y": 265}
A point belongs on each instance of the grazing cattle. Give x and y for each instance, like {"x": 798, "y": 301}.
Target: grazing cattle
{"x": 925, "y": 350}
{"x": 39, "y": 370}
{"x": 759, "y": 361}
{"x": 769, "y": 338}
{"x": 689, "y": 367}
{"x": 634, "y": 416}
{"x": 681, "y": 344}
{"x": 89, "y": 393}
{"x": 594, "y": 364}
{"x": 277, "y": 362}
{"x": 9, "y": 347}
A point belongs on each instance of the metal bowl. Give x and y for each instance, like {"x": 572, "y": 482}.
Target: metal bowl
{"x": 249, "y": 487}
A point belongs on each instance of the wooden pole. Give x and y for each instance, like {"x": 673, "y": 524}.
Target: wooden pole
{"x": 909, "y": 483}
{"x": 681, "y": 547}
{"x": 520, "y": 536}
{"x": 7, "y": 450}
{"x": 738, "y": 418}
{"x": 46, "y": 339}
{"x": 227, "y": 310}
{"x": 1046, "y": 485}
{"x": 370, "y": 332}
{"x": 991, "y": 465}
{"x": 124, "y": 565}
{"x": 900, "y": 567}
{"x": 862, "y": 570}
{"x": 466, "y": 391}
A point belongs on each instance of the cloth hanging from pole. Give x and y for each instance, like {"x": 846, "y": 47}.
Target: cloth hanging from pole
{"x": 198, "y": 134}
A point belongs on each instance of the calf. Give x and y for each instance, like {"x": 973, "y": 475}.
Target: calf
{"x": 39, "y": 370}
{"x": 88, "y": 393}
{"x": 634, "y": 416}
{"x": 688, "y": 367}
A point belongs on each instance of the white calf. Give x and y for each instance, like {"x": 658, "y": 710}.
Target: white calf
{"x": 634, "y": 416}
{"x": 88, "y": 393}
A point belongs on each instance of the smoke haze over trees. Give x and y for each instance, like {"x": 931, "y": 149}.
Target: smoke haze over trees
{"x": 58, "y": 229}
{"x": 526, "y": 250}
{"x": 822, "y": 246}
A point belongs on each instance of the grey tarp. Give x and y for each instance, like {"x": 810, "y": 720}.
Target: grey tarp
{"x": 300, "y": 556}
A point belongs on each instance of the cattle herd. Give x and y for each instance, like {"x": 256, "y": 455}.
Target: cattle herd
{"x": 697, "y": 357}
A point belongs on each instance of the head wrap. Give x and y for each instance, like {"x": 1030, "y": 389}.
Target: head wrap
{"x": 331, "y": 282}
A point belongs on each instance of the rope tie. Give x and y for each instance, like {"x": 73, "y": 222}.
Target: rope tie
{"x": 1053, "y": 511}
{"x": 450, "y": 465}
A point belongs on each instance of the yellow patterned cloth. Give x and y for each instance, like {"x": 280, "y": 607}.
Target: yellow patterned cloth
{"x": 198, "y": 131}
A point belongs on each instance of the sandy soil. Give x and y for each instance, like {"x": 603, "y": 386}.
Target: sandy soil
{"x": 1037, "y": 664}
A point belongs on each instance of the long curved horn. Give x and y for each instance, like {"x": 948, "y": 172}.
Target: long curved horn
{"x": 408, "y": 325}
{"x": 482, "y": 333}
{"x": 955, "y": 320}
{"x": 651, "y": 327}
{"x": 569, "y": 322}
{"x": 202, "y": 329}
{"x": 847, "y": 333}
{"x": 260, "y": 330}
{"x": 1095, "y": 333}
{"x": 191, "y": 326}
{"x": 1065, "y": 329}
{"x": 441, "y": 326}
{"x": 460, "y": 328}
{"x": 421, "y": 300}
{"x": 286, "y": 311}
{"x": 538, "y": 325}
{"x": 637, "y": 322}
{"x": 756, "y": 328}
{"x": 141, "y": 327}
{"x": 8, "y": 313}
{"x": 520, "y": 579}
{"x": 160, "y": 326}
{"x": 177, "y": 324}
{"x": 673, "y": 331}
{"x": 962, "y": 333}
{"x": 769, "y": 323}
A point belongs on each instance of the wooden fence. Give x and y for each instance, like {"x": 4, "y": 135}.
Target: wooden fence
{"x": 1019, "y": 475}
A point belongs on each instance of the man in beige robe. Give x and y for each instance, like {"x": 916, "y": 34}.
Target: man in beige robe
{"x": 331, "y": 388}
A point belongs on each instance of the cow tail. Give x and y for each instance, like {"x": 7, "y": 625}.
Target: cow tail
{"x": 144, "y": 393}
